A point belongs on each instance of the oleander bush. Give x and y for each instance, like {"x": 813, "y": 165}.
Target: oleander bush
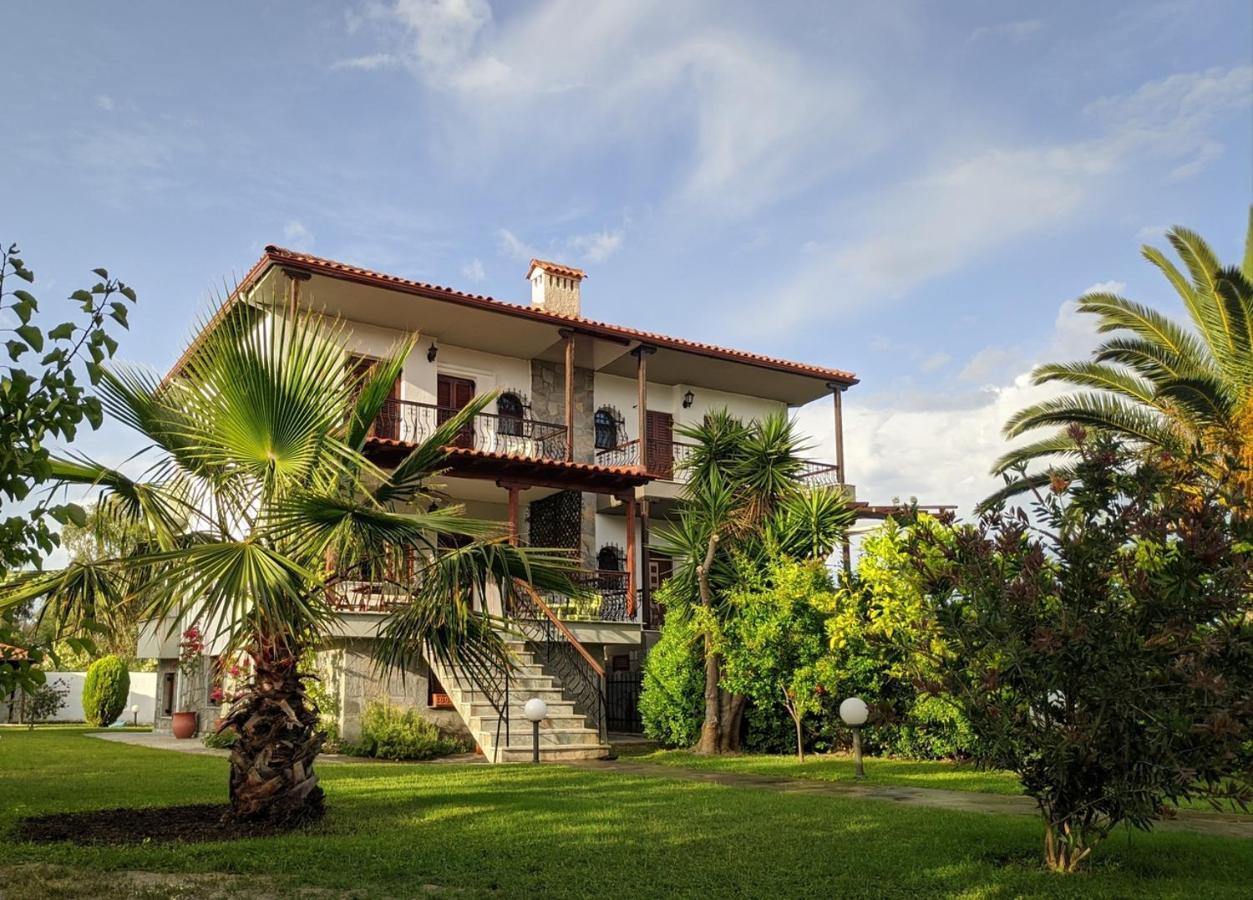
{"x": 105, "y": 690}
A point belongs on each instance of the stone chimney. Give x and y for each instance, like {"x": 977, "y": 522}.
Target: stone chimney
{"x": 554, "y": 287}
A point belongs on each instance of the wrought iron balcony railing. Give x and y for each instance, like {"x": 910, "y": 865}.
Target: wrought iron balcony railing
{"x": 412, "y": 423}
{"x": 665, "y": 460}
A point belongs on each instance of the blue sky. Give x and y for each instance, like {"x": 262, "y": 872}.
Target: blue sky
{"x": 909, "y": 190}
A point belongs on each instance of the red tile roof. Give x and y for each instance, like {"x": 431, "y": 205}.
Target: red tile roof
{"x": 291, "y": 259}
{"x": 556, "y": 268}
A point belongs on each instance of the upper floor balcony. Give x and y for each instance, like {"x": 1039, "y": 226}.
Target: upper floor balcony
{"x": 508, "y": 434}
{"x": 664, "y": 460}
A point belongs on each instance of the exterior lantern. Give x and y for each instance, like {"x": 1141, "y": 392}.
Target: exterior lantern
{"x": 535, "y": 710}
{"x": 854, "y": 712}
{"x": 688, "y": 399}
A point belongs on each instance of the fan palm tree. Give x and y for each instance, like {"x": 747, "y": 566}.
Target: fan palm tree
{"x": 1154, "y": 382}
{"x": 744, "y": 500}
{"x": 259, "y": 500}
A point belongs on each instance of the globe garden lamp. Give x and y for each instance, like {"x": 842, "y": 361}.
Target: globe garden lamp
{"x": 535, "y": 710}
{"x": 135, "y": 714}
{"x": 854, "y": 712}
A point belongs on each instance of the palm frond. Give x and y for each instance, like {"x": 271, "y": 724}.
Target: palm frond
{"x": 407, "y": 482}
{"x": 1095, "y": 410}
{"x": 374, "y": 391}
{"x": 1097, "y": 376}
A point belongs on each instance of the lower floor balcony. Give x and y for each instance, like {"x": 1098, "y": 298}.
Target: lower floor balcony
{"x": 665, "y": 460}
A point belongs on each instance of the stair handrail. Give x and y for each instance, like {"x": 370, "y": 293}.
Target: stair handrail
{"x": 554, "y": 635}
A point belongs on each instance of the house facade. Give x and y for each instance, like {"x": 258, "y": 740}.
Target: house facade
{"x": 580, "y": 449}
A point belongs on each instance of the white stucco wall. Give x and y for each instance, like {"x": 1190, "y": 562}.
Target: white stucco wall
{"x": 622, "y": 394}
{"x": 143, "y": 693}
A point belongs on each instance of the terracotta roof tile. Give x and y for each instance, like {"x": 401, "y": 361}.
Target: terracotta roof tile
{"x": 556, "y": 268}
{"x": 307, "y": 262}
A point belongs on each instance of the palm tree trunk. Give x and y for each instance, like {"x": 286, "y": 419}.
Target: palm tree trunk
{"x": 710, "y": 729}
{"x": 272, "y": 777}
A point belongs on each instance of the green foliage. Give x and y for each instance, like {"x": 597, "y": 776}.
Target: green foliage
{"x": 1155, "y": 383}
{"x": 1107, "y": 656}
{"x": 44, "y": 396}
{"x": 221, "y": 740}
{"x": 105, "y": 690}
{"x": 390, "y": 732}
{"x": 671, "y": 697}
{"x": 44, "y": 701}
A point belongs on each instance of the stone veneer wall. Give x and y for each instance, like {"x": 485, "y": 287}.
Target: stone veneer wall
{"x": 348, "y": 666}
{"x": 548, "y": 401}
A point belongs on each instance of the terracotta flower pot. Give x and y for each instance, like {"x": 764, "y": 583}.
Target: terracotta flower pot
{"x": 183, "y": 725}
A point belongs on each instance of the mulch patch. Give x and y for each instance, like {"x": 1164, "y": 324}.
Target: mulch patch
{"x": 157, "y": 824}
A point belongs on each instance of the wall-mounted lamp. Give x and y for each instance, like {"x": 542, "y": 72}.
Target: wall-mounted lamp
{"x": 432, "y": 352}
{"x": 688, "y": 399}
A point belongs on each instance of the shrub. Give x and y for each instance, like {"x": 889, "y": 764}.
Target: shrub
{"x": 221, "y": 740}
{"x": 390, "y": 732}
{"x": 672, "y": 697}
{"x": 105, "y": 690}
{"x": 44, "y": 701}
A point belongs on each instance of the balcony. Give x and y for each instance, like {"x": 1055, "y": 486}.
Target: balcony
{"x": 412, "y": 423}
{"x": 665, "y": 460}
{"x": 604, "y": 599}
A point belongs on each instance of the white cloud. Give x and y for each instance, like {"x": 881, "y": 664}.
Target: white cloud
{"x": 297, "y": 236}
{"x": 753, "y": 118}
{"x": 105, "y": 102}
{"x": 1106, "y": 287}
{"x": 368, "y": 63}
{"x": 593, "y": 247}
{"x": 514, "y": 247}
{"x": 939, "y": 445}
{"x": 935, "y": 362}
{"x": 474, "y": 270}
{"x": 598, "y": 246}
{"x": 968, "y": 206}
{"x": 1011, "y": 31}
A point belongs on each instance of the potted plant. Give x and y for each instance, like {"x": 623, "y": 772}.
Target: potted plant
{"x": 184, "y": 722}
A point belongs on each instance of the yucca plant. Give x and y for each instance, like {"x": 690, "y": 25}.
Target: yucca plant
{"x": 744, "y": 503}
{"x": 1187, "y": 391}
{"x": 258, "y": 499}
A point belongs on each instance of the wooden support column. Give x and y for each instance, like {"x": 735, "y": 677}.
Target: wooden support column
{"x": 294, "y": 278}
{"x": 642, "y": 352}
{"x": 630, "y": 556}
{"x": 568, "y": 337}
{"x": 837, "y": 398}
{"x": 648, "y": 591}
{"x": 513, "y": 513}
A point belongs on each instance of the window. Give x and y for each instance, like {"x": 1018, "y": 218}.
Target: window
{"x": 606, "y": 429}
{"x": 610, "y": 559}
{"x": 509, "y": 408}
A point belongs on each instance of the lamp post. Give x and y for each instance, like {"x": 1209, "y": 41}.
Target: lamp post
{"x": 854, "y": 712}
{"x": 535, "y": 710}
{"x": 135, "y": 715}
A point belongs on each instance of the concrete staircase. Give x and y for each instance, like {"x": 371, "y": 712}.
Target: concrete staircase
{"x": 564, "y": 735}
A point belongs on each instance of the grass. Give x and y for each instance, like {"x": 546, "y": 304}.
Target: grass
{"x": 949, "y": 776}
{"x": 405, "y": 830}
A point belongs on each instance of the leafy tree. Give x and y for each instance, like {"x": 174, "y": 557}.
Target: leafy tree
{"x": 1106, "y": 657}
{"x": 44, "y": 396}
{"x": 672, "y": 695}
{"x": 258, "y": 501}
{"x": 1154, "y": 382}
{"x": 105, "y": 689}
{"x": 879, "y": 622}
{"x": 744, "y": 499}
{"x": 775, "y": 639}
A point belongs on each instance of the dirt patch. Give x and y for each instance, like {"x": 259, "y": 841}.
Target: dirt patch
{"x": 160, "y": 824}
{"x": 43, "y": 881}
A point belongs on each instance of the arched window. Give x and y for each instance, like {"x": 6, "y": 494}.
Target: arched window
{"x": 606, "y": 429}
{"x": 509, "y": 408}
{"x": 610, "y": 559}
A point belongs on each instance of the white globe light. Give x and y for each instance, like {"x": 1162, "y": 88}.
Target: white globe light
{"x": 135, "y": 708}
{"x": 854, "y": 711}
{"x": 535, "y": 709}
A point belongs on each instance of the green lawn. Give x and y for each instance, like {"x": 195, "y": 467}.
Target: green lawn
{"x": 402, "y": 830}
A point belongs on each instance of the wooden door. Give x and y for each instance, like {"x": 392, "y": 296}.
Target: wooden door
{"x": 660, "y": 568}
{"x": 387, "y": 423}
{"x": 659, "y": 445}
{"x": 453, "y": 395}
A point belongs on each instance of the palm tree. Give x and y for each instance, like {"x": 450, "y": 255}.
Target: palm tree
{"x": 744, "y": 500}
{"x": 1154, "y": 382}
{"x": 259, "y": 500}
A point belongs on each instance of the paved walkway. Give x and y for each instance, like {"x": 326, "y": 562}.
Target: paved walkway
{"x": 158, "y": 741}
{"x": 1224, "y": 824}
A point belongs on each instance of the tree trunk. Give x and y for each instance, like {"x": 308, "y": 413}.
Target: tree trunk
{"x": 730, "y": 721}
{"x": 272, "y": 777}
{"x": 710, "y": 729}
{"x": 1065, "y": 847}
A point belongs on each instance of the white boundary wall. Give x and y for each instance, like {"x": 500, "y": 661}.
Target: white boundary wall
{"x": 143, "y": 694}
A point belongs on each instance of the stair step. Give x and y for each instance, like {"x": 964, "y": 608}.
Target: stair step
{"x": 546, "y": 738}
{"x": 566, "y": 753}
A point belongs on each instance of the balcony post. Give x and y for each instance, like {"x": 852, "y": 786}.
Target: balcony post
{"x": 630, "y": 556}
{"x": 568, "y": 337}
{"x": 837, "y": 398}
{"x": 642, "y": 352}
{"x": 513, "y": 513}
{"x": 294, "y": 277}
